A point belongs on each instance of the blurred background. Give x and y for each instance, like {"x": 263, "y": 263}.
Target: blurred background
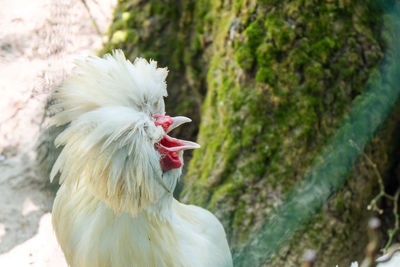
{"x": 295, "y": 105}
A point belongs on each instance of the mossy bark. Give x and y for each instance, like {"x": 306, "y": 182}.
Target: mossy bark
{"x": 271, "y": 81}
{"x": 281, "y": 77}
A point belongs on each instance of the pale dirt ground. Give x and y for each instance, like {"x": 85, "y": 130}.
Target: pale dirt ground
{"x": 39, "y": 39}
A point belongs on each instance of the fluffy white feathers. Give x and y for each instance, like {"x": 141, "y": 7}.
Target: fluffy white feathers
{"x": 109, "y": 104}
{"x": 112, "y": 81}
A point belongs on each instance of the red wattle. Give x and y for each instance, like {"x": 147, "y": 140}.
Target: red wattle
{"x": 170, "y": 161}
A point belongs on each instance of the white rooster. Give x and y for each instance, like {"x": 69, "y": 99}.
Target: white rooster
{"x": 118, "y": 170}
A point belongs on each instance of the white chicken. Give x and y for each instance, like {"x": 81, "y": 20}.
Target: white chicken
{"x": 391, "y": 259}
{"x": 118, "y": 171}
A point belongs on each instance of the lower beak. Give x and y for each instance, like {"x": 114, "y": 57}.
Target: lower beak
{"x": 171, "y": 144}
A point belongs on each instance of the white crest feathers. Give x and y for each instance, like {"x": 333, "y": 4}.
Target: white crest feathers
{"x": 109, "y": 104}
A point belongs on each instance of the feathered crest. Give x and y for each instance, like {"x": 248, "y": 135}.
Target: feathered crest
{"x": 109, "y": 104}
{"x": 112, "y": 81}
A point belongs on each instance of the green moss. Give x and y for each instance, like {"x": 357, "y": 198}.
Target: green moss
{"x": 254, "y": 33}
{"x": 246, "y": 50}
{"x": 322, "y": 49}
{"x": 240, "y": 214}
{"x": 313, "y": 73}
{"x": 266, "y": 54}
{"x": 228, "y": 189}
{"x": 265, "y": 75}
{"x": 268, "y": 113}
{"x": 279, "y": 32}
{"x": 272, "y": 79}
{"x": 238, "y": 5}
{"x": 244, "y": 57}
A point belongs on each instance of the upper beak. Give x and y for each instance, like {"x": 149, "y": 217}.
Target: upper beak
{"x": 177, "y": 121}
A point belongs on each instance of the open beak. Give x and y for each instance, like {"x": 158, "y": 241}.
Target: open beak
{"x": 169, "y": 147}
{"x": 173, "y": 144}
{"x": 168, "y": 143}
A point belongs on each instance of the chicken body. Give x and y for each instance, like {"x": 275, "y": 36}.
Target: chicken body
{"x": 118, "y": 168}
{"x": 91, "y": 234}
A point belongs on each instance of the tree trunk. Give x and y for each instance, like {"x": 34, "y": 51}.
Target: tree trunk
{"x": 272, "y": 82}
